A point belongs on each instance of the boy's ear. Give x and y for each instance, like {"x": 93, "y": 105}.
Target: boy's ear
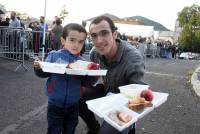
{"x": 62, "y": 40}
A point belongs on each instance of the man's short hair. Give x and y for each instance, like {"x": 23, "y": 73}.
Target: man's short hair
{"x": 98, "y": 19}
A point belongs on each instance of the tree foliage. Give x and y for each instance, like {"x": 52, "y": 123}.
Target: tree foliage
{"x": 2, "y": 9}
{"x": 64, "y": 13}
{"x": 189, "y": 20}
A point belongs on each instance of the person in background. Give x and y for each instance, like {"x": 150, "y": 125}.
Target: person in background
{"x": 63, "y": 90}
{"x": 36, "y": 37}
{"x": 142, "y": 47}
{"x": 21, "y": 23}
{"x": 56, "y": 34}
{"x": 0, "y": 20}
{"x": 124, "y": 63}
{"x": 43, "y": 28}
{"x": 14, "y": 38}
{"x": 43, "y": 25}
{"x": 5, "y": 22}
{"x": 14, "y": 21}
{"x": 123, "y": 37}
{"x": 84, "y": 23}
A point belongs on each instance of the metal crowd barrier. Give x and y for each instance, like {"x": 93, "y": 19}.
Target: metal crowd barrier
{"x": 20, "y": 45}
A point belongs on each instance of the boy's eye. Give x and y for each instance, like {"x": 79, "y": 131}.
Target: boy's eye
{"x": 72, "y": 40}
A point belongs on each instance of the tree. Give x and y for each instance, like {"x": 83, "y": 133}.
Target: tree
{"x": 189, "y": 20}
{"x": 64, "y": 13}
{"x": 2, "y": 9}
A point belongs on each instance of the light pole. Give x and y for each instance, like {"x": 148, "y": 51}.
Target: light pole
{"x": 44, "y": 30}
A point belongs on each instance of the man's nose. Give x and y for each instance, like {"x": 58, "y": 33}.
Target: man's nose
{"x": 99, "y": 39}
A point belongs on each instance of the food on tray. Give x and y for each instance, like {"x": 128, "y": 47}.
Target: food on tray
{"x": 124, "y": 116}
{"x": 147, "y": 94}
{"x": 138, "y": 103}
{"x": 83, "y": 65}
{"x": 120, "y": 117}
{"x": 93, "y": 66}
{"x": 136, "y": 100}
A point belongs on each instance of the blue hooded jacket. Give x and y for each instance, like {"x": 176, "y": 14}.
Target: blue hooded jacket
{"x": 63, "y": 90}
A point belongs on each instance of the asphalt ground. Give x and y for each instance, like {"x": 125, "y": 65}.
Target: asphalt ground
{"x": 23, "y": 103}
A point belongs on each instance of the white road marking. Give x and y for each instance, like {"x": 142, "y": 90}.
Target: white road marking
{"x": 169, "y": 75}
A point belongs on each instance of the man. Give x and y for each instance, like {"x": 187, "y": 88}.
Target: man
{"x": 14, "y": 21}
{"x": 124, "y": 64}
{"x": 56, "y": 34}
{"x": 21, "y": 23}
{"x": 5, "y": 22}
{"x": 43, "y": 26}
{"x": 14, "y": 37}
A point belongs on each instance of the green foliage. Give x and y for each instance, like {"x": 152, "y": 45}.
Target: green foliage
{"x": 64, "y": 13}
{"x": 189, "y": 20}
{"x": 2, "y": 9}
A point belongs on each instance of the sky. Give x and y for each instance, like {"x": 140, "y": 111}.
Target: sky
{"x": 161, "y": 11}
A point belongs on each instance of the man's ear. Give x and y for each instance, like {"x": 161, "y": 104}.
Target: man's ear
{"x": 115, "y": 34}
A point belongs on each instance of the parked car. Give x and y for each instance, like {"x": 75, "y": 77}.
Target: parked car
{"x": 189, "y": 56}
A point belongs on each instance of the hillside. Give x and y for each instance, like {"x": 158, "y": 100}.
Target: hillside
{"x": 145, "y": 21}
{"x": 113, "y": 17}
{"x": 148, "y": 22}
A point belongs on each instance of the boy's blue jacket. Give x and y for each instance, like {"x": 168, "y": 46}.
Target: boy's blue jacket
{"x": 63, "y": 90}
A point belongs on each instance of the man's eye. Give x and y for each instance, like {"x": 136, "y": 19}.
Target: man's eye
{"x": 93, "y": 35}
{"x": 81, "y": 42}
{"x": 104, "y": 33}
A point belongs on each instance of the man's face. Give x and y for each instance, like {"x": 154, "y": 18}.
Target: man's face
{"x": 12, "y": 15}
{"x": 41, "y": 19}
{"x": 74, "y": 42}
{"x": 102, "y": 37}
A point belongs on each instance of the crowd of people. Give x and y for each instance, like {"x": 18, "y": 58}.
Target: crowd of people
{"x": 149, "y": 47}
{"x": 36, "y": 28}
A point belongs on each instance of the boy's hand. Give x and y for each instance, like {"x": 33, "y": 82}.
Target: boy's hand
{"x": 36, "y": 63}
{"x": 93, "y": 66}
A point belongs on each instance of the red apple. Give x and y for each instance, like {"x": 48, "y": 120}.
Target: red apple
{"x": 147, "y": 94}
{"x": 93, "y": 66}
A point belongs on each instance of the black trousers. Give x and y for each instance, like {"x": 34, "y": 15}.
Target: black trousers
{"x": 88, "y": 116}
{"x": 108, "y": 129}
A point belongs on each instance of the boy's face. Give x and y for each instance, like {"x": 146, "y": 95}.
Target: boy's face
{"x": 74, "y": 42}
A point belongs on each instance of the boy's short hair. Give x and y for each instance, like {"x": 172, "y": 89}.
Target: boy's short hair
{"x": 72, "y": 27}
{"x": 98, "y": 19}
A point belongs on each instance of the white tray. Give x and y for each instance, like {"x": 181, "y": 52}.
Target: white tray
{"x": 53, "y": 67}
{"x": 61, "y": 69}
{"x": 86, "y": 72}
{"x": 103, "y": 105}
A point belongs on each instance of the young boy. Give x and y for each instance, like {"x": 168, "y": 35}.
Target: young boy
{"x": 64, "y": 90}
